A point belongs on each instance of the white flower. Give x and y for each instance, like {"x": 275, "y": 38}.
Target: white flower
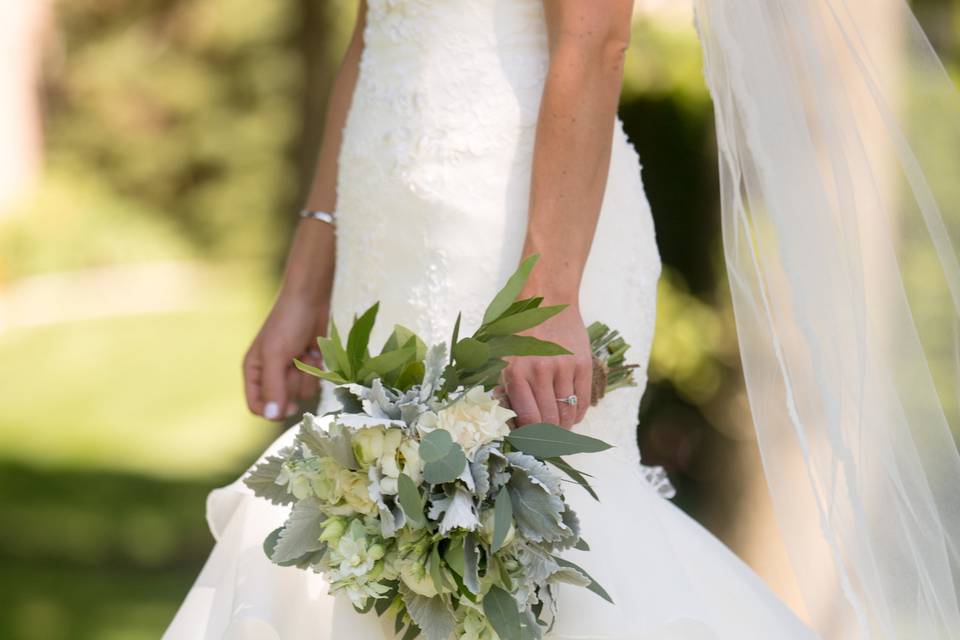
{"x": 472, "y": 420}
{"x": 376, "y": 445}
{"x": 355, "y": 554}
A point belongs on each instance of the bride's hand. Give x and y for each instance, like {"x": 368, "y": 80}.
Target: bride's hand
{"x": 535, "y": 385}
{"x": 271, "y": 382}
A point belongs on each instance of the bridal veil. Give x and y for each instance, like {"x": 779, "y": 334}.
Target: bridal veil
{"x": 839, "y": 145}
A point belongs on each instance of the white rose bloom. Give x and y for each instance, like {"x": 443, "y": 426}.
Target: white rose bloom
{"x": 472, "y": 420}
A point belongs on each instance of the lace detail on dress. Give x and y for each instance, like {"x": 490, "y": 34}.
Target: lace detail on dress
{"x": 434, "y": 184}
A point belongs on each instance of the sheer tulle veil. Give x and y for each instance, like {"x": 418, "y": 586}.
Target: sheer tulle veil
{"x": 839, "y": 145}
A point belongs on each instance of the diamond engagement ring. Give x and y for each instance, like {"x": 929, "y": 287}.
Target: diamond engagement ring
{"x": 570, "y": 400}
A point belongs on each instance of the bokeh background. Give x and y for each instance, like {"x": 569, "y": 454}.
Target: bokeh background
{"x": 153, "y": 153}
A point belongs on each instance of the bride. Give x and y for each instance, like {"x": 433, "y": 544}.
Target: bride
{"x": 461, "y": 136}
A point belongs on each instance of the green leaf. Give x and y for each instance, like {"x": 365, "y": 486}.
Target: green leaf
{"x": 443, "y": 459}
{"x": 522, "y": 305}
{"x": 502, "y": 519}
{"x": 487, "y": 377}
{"x": 431, "y": 615}
{"x": 384, "y": 363}
{"x": 411, "y": 501}
{"x": 581, "y": 545}
{"x": 456, "y": 335}
{"x": 577, "y": 476}
{"x": 412, "y": 632}
{"x": 382, "y": 604}
{"x": 505, "y": 297}
{"x": 300, "y": 533}
{"x": 447, "y": 469}
{"x": 441, "y": 582}
{"x": 435, "y": 445}
{"x": 593, "y": 586}
{"x": 262, "y": 481}
{"x": 471, "y": 563}
{"x": 543, "y": 440}
{"x": 470, "y": 353}
{"x": 338, "y": 353}
{"x": 365, "y": 608}
{"x": 333, "y": 377}
{"x": 410, "y": 375}
{"x": 359, "y": 337}
{"x": 501, "y": 610}
{"x": 522, "y": 321}
{"x": 523, "y": 346}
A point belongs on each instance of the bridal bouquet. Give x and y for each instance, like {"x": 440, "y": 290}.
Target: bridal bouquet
{"x": 417, "y": 499}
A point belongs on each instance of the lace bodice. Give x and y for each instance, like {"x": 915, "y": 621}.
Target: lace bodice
{"x": 434, "y": 182}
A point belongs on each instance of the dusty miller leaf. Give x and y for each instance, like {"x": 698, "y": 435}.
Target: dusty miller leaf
{"x": 431, "y": 615}
{"x": 262, "y": 481}
{"x": 300, "y": 534}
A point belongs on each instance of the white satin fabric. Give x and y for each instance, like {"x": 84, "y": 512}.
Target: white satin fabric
{"x": 432, "y": 197}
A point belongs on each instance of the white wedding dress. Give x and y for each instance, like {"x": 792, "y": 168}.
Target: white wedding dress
{"x": 432, "y": 199}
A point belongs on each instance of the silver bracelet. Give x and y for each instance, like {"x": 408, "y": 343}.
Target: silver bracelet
{"x": 322, "y": 216}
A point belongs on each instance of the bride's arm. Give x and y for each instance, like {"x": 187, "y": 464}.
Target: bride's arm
{"x": 588, "y": 40}
{"x": 302, "y": 307}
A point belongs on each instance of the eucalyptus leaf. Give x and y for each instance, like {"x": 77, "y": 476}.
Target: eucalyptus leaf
{"x": 412, "y": 632}
{"x": 446, "y": 469}
{"x": 505, "y": 297}
{"x": 337, "y": 350}
{"x": 456, "y": 334}
{"x": 470, "y": 353}
{"x": 502, "y": 519}
{"x": 522, "y": 321}
{"x": 543, "y": 440}
{"x": 577, "y": 476}
{"x": 501, "y": 610}
{"x": 487, "y": 377}
{"x": 502, "y": 346}
{"x": 593, "y": 586}
{"x": 359, "y": 336}
{"x": 410, "y": 375}
{"x": 384, "y": 363}
{"x": 411, "y": 501}
{"x": 522, "y": 305}
{"x": 332, "y": 376}
{"x": 435, "y": 445}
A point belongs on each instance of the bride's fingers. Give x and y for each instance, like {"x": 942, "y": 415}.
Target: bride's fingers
{"x": 564, "y": 388}
{"x": 294, "y": 378}
{"x": 522, "y": 400}
{"x": 252, "y": 381}
{"x": 307, "y": 388}
{"x": 544, "y": 392}
{"x": 583, "y": 385}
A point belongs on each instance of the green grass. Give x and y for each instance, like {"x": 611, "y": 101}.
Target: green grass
{"x": 158, "y": 394}
{"x": 55, "y": 603}
{"x": 112, "y": 432}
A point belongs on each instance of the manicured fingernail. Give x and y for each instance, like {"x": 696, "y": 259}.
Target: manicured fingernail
{"x": 291, "y": 410}
{"x": 271, "y": 411}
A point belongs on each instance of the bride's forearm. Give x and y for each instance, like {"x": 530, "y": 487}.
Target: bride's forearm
{"x": 573, "y": 140}
{"x": 310, "y": 261}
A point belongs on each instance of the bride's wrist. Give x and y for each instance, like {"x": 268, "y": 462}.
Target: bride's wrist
{"x": 310, "y": 263}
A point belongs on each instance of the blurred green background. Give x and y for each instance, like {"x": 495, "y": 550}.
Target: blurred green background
{"x": 158, "y": 149}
